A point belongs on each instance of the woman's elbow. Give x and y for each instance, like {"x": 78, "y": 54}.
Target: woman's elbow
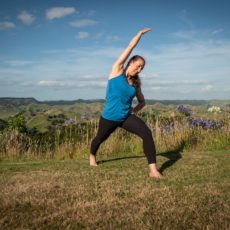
{"x": 143, "y": 104}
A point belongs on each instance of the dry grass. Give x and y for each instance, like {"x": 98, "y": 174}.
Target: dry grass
{"x": 118, "y": 193}
{"x": 69, "y": 142}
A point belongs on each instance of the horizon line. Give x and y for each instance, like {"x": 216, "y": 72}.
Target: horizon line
{"x": 155, "y": 99}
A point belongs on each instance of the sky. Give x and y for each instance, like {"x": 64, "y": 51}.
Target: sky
{"x": 64, "y": 49}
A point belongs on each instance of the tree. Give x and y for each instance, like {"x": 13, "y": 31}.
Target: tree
{"x": 17, "y": 123}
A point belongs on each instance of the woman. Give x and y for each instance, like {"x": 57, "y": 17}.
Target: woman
{"x": 123, "y": 86}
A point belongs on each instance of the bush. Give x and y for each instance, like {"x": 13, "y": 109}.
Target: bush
{"x": 17, "y": 123}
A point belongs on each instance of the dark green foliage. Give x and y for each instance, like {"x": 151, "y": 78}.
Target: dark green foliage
{"x": 3, "y": 124}
{"x": 17, "y": 123}
{"x": 57, "y": 119}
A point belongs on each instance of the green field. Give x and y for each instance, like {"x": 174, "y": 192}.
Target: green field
{"x": 118, "y": 194}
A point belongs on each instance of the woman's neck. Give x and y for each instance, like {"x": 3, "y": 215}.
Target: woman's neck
{"x": 127, "y": 75}
{"x": 129, "y": 79}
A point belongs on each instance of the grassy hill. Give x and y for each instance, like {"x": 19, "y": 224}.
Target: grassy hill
{"x": 37, "y": 112}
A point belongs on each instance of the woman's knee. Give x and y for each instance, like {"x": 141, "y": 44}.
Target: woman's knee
{"x": 146, "y": 132}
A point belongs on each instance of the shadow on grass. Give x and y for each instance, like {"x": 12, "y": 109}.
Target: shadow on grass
{"x": 173, "y": 157}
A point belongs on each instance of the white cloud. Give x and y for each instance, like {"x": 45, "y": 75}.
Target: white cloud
{"x": 48, "y": 83}
{"x": 174, "y": 83}
{"x": 59, "y": 12}
{"x": 6, "y": 25}
{"x": 207, "y": 88}
{"x": 227, "y": 90}
{"x": 157, "y": 88}
{"x": 19, "y": 62}
{"x": 79, "y": 83}
{"x": 26, "y": 18}
{"x": 98, "y": 35}
{"x": 8, "y": 82}
{"x": 185, "y": 34}
{"x": 148, "y": 76}
{"x": 83, "y": 23}
{"x": 113, "y": 38}
{"x": 195, "y": 35}
{"x": 82, "y": 35}
{"x": 218, "y": 31}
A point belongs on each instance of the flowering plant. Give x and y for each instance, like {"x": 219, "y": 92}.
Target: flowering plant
{"x": 214, "y": 109}
{"x": 184, "y": 110}
{"x": 206, "y": 123}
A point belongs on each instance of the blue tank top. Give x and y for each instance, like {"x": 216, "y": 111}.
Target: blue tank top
{"x": 119, "y": 97}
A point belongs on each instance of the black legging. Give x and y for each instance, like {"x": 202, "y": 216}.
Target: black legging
{"x": 132, "y": 124}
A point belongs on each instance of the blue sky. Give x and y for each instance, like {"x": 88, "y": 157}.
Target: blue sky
{"x": 64, "y": 49}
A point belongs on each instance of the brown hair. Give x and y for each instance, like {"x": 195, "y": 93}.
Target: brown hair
{"x": 136, "y": 79}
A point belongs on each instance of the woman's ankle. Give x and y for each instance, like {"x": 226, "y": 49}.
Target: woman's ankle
{"x": 153, "y": 171}
{"x": 92, "y": 160}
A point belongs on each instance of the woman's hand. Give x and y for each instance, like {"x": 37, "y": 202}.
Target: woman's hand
{"x": 132, "y": 111}
{"x": 145, "y": 30}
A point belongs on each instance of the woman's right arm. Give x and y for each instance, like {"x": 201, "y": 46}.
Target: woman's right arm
{"x": 117, "y": 67}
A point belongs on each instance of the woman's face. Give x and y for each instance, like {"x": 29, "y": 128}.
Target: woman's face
{"x": 135, "y": 67}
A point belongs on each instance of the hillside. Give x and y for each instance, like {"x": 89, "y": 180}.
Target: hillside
{"x": 42, "y": 114}
{"x": 14, "y": 101}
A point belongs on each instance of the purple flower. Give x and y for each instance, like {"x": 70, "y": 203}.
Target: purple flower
{"x": 166, "y": 128}
{"x": 184, "y": 110}
{"x": 206, "y": 123}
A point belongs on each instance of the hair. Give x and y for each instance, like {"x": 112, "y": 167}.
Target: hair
{"x": 136, "y": 79}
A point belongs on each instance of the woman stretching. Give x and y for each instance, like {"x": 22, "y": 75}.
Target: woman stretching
{"x": 123, "y": 86}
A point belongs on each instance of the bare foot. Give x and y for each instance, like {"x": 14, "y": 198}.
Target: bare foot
{"x": 156, "y": 174}
{"x": 92, "y": 160}
{"x": 153, "y": 172}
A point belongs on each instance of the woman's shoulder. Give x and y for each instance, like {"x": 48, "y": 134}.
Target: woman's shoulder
{"x": 116, "y": 76}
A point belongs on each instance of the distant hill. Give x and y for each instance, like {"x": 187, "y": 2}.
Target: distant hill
{"x": 39, "y": 113}
{"x": 4, "y": 101}
{"x": 177, "y": 102}
{"x": 71, "y": 102}
{"x": 16, "y": 101}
